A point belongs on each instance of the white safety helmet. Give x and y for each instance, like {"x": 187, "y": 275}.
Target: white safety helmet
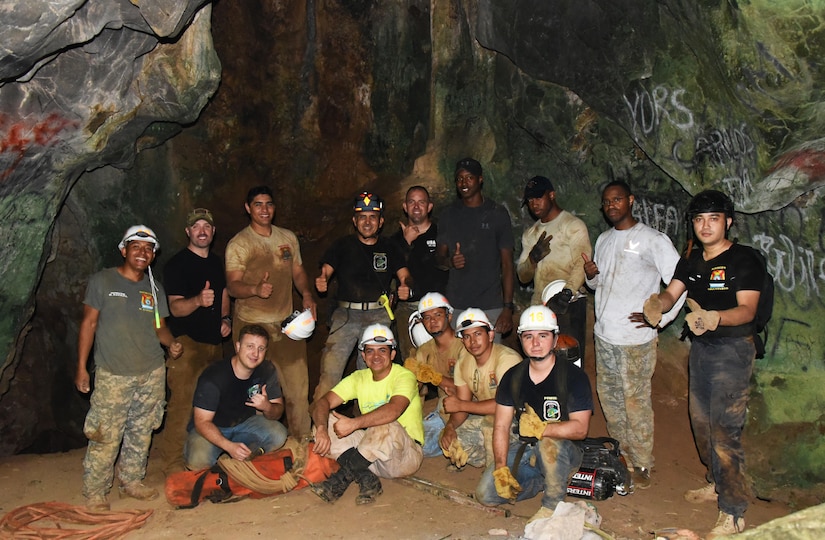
{"x": 377, "y": 334}
{"x": 552, "y": 289}
{"x": 471, "y": 318}
{"x": 433, "y": 300}
{"x": 538, "y": 318}
{"x": 142, "y": 233}
{"x": 418, "y": 334}
{"x": 299, "y": 325}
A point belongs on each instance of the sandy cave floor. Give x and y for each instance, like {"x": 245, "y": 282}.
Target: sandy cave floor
{"x": 402, "y": 511}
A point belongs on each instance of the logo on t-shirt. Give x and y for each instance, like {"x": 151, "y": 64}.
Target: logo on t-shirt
{"x": 493, "y": 383}
{"x": 286, "y": 253}
{"x": 717, "y": 278}
{"x": 379, "y": 262}
{"x": 552, "y": 411}
{"x": 147, "y": 301}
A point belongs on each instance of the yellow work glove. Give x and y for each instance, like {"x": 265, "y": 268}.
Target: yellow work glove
{"x": 457, "y": 454}
{"x": 426, "y": 373}
{"x": 507, "y": 486}
{"x": 530, "y": 425}
{"x": 412, "y": 364}
{"x": 699, "y": 320}
{"x": 653, "y": 310}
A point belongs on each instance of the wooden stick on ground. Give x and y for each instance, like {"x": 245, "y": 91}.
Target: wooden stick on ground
{"x": 451, "y": 494}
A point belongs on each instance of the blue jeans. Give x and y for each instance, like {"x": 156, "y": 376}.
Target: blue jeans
{"x": 720, "y": 371}
{"x": 555, "y": 462}
{"x": 255, "y": 432}
{"x": 433, "y": 424}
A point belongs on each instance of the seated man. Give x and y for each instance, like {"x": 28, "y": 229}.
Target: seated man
{"x": 467, "y": 437}
{"x": 552, "y": 403}
{"x": 385, "y": 440}
{"x": 434, "y": 362}
{"x": 227, "y": 398}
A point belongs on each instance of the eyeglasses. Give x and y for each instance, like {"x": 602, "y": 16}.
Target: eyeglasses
{"x": 614, "y": 200}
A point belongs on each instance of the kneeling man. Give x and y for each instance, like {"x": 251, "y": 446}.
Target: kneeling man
{"x": 228, "y": 398}
{"x": 552, "y": 403}
{"x": 467, "y": 437}
{"x": 385, "y": 440}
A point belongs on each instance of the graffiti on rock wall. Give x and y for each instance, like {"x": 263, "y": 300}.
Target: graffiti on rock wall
{"x": 729, "y": 148}
{"x": 18, "y": 138}
{"x": 648, "y": 109}
{"x": 662, "y": 216}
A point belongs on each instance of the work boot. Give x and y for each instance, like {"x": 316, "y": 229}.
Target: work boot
{"x": 641, "y": 477}
{"x": 137, "y": 490}
{"x": 726, "y": 524}
{"x": 702, "y": 495}
{"x": 370, "y": 486}
{"x": 333, "y": 487}
{"x": 98, "y": 503}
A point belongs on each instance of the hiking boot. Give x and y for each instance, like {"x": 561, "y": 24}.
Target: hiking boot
{"x": 543, "y": 513}
{"x": 726, "y": 524}
{"x": 641, "y": 477}
{"x": 370, "y": 486}
{"x": 702, "y": 495}
{"x": 333, "y": 487}
{"x": 98, "y": 503}
{"x": 137, "y": 490}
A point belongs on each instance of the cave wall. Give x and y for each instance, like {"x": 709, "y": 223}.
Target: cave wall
{"x": 323, "y": 98}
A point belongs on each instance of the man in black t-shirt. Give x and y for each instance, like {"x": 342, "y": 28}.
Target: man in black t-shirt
{"x": 552, "y": 414}
{"x": 364, "y": 265}
{"x": 417, "y": 241}
{"x": 199, "y": 306}
{"x": 723, "y": 281}
{"x": 228, "y": 398}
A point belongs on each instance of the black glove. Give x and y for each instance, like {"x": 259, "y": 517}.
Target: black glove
{"x": 560, "y": 303}
{"x": 541, "y": 249}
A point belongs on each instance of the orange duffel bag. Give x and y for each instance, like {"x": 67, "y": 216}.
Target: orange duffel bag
{"x": 276, "y": 472}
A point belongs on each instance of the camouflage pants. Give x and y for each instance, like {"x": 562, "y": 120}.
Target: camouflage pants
{"x": 623, "y": 374}
{"x": 181, "y": 378}
{"x": 720, "y": 371}
{"x": 393, "y": 453}
{"x": 124, "y": 412}
{"x": 476, "y": 437}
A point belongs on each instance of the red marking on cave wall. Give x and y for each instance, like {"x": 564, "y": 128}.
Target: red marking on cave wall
{"x": 809, "y": 162}
{"x": 18, "y": 138}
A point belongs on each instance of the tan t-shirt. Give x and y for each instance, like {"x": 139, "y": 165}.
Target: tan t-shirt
{"x": 570, "y": 240}
{"x": 443, "y": 363}
{"x": 255, "y": 255}
{"x": 483, "y": 381}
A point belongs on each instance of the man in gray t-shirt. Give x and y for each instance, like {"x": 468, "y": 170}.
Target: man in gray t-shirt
{"x": 475, "y": 242}
{"x": 123, "y": 315}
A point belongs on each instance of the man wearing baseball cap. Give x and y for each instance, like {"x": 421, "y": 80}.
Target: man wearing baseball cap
{"x": 475, "y": 243}
{"x": 199, "y": 304}
{"x": 551, "y": 249}
{"x": 123, "y": 315}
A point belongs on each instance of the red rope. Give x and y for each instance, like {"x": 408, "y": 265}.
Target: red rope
{"x": 58, "y": 521}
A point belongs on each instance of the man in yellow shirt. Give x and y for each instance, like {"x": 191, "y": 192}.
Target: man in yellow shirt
{"x": 386, "y": 438}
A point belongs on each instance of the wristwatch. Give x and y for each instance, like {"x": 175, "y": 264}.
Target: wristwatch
{"x": 510, "y": 305}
